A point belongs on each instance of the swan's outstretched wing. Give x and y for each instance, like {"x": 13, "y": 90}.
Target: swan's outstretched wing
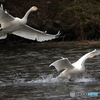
{"x": 4, "y": 16}
{"x": 62, "y": 64}
{"x": 33, "y": 34}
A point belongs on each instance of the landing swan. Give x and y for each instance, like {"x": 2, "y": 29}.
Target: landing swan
{"x": 17, "y": 26}
{"x": 75, "y": 68}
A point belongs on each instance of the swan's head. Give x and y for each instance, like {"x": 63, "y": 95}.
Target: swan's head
{"x": 91, "y": 56}
{"x": 34, "y": 8}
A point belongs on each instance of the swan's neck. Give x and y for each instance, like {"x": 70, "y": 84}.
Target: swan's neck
{"x": 26, "y": 16}
{"x": 83, "y": 59}
{"x": 81, "y": 62}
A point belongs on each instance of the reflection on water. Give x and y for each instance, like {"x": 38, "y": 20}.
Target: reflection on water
{"x": 25, "y": 73}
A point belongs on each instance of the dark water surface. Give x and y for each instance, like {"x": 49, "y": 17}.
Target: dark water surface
{"x": 25, "y": 73}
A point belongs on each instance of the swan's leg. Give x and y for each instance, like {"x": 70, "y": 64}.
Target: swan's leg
{"x": 69, "y": 78}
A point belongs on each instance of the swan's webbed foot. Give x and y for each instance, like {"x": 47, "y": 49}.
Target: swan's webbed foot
{"x": 70, "y": 80}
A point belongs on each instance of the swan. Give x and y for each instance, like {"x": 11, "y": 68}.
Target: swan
{"x": 74, "y": 68}
{"x": 17, "y": 26}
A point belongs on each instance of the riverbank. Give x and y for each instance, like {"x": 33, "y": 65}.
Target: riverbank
{"x": 68, "y": 43}
{"x": 56, "y": 44}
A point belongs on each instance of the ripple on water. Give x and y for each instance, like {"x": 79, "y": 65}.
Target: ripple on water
{"x": 29, "y": 62}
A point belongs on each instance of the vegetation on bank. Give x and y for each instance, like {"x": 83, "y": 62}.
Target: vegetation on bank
{"x": 76, "y": 19}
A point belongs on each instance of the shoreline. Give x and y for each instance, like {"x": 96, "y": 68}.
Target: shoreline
{"x": 66, "y": 43}
{"x": 54, "y": 43}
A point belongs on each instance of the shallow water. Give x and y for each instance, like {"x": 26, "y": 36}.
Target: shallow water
{"x": 25, "y": 74}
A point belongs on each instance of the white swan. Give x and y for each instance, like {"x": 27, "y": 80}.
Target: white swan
{"x": 17, "y": 26}
{"x": 75, "y": 68}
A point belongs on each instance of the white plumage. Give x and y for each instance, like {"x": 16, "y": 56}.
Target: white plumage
{"x": 17, "y": 26}
{"x": 75, "y": 68}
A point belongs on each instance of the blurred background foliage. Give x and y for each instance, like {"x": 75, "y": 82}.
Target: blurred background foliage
{"x": 76, "y": 19}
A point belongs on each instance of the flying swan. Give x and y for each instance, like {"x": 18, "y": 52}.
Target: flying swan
{"x": 75, "y": 68}
{"x": 17, "y": 26}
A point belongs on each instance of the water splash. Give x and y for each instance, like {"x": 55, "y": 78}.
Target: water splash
{"x": 84, "y": 79}
{"x": 50, "y": 79}
{"x": 42, "y": 79}
{"x": 45, "y": 79}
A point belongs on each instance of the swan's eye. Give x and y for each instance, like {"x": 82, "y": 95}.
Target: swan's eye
{"x": 92, "y": 56}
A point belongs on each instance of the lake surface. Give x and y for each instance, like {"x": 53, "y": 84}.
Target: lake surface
{"x": 25, "y": 74}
